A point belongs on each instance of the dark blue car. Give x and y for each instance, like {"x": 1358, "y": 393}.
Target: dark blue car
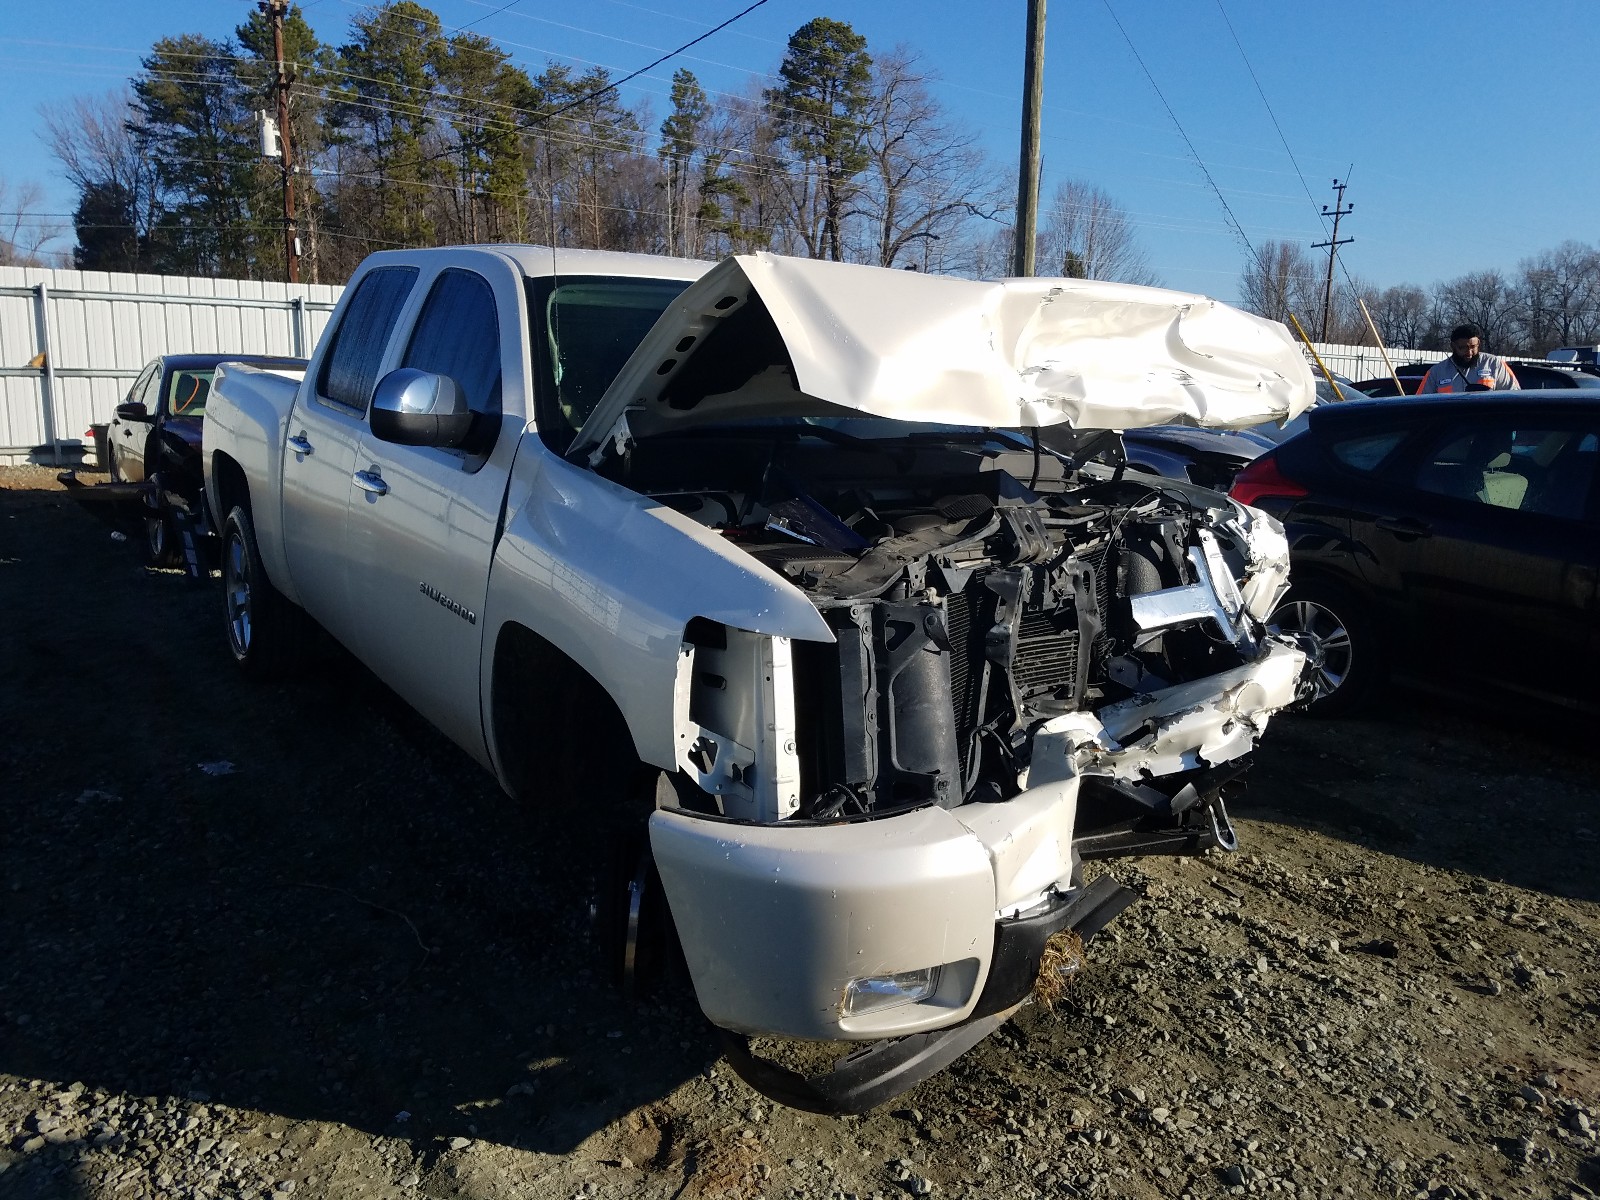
{"x": 1450, "y": 539}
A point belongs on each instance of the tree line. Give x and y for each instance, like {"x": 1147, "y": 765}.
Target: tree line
{"x": 409, "y": 135}
{"x": 1552, "y": 299}
{"x": 406, "y": 134}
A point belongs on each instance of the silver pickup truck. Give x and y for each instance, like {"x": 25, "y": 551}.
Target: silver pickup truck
{"x": 815, "y": 590}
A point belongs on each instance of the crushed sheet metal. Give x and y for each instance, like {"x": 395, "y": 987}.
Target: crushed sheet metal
{"x": 1266, "y": 576}
{"x": 1206, "y": 721}
{"x": 1215, "y": 597}
{"x": 1028, "y": 840}
{"x": 1006, "y": 354}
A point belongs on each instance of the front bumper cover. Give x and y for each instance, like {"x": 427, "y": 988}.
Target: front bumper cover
{"x": 873, "y": 1074}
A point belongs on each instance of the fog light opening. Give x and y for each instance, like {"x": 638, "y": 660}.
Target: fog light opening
{"x": 874, "y": 993}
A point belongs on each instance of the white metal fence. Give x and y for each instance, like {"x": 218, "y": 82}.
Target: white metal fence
{"x": 1365, "y": 362}
{"x": 72, "y": 341}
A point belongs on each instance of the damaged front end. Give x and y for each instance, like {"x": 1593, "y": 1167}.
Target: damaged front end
{"x": 1035, "y": 660}
{"x": 878, "y": 835}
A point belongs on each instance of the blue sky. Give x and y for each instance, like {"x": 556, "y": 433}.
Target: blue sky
{"x": 1465, "y": 133}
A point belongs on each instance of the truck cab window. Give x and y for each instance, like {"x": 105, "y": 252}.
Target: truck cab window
{"x": 350, "y": 367}
{"x": 458, "y": 335}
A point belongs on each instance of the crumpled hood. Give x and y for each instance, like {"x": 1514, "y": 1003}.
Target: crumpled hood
{"x": 829, "y": 339}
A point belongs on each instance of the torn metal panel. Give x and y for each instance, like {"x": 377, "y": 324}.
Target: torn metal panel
{"x": 1182, "y": 728}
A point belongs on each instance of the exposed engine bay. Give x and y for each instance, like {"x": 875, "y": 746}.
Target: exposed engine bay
{"x": 977, "y": 588}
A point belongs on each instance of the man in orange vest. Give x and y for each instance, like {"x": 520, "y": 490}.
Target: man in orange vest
{"x": 1468, "y": 369}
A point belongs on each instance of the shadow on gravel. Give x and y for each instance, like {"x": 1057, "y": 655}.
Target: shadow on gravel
{"x": 1504, "y": 791}
{"x": 300, "y": 898}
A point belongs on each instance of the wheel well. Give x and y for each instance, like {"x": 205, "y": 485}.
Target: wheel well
{"x": 552, "y": 722}
{"x": 231, "y": 487}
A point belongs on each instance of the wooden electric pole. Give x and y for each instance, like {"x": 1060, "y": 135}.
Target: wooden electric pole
{"x": 1332, "y": 245}
{"x": 1028, "y": 171}
{"x": 276, "y": 9}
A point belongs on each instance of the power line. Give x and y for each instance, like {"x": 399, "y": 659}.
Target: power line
{"x": 1199, "y": 162}
{"x": 1267, "y": 105}
{"x": 1323, "y": 214}
{"x": 670, "y": 54}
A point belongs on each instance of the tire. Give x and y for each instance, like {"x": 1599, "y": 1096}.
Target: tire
{"x": 637, "y": 941}
{"x": 161, "y": 544}
{"x": 1338, "y": 632}
{"x": 268, "y": 635}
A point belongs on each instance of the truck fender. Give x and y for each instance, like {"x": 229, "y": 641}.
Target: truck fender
{"x": 611, "y": 579}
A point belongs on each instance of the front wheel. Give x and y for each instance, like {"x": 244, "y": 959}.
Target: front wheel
{"x": 267, "y": 634}
{"x": 1340, "y": 639}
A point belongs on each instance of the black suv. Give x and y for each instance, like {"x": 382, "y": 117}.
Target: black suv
{"x": 1456, "y": 538}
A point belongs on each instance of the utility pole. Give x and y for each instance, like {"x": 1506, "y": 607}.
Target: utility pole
{"x": 1332, "y": 246}
{"x": 276, "y": 9}
{"x": 1028, "y": 171}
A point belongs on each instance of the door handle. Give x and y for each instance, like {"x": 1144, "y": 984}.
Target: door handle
{"x": 371, "y": 481}
{"x": 1405, "y": 526}
{"x": 299, "y": 444}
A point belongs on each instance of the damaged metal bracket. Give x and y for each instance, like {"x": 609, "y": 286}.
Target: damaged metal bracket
{"x": 1215, "y": 597}
{"x": 1221, "y": 827}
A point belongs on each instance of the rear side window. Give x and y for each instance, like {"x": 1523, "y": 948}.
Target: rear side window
{"x": 136, "y": 392}
{"x": 1545, "y": 471}
{"x": 350, "y": 368}
{"x": 458, "y": 335}
{"x": 148, "y": 389}
{"x": 1366, "y": 453}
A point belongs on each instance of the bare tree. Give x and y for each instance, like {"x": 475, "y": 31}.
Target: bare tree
{"x": 928, "y": 175}
{"x": 1346, "y": 325}
{"x": 119, "y": 202}
{"x": 23, "y": 230}
{"x": 746, "y": 181}
{"x": 1403, "y": 316}
{"x": 1280, "y": 280}
{"x": 1087, "y": 235}
{"x": 1484, "y": 298}
{"x": 1560, "y": 297}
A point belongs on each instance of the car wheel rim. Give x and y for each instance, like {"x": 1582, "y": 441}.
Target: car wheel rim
{"x": 155, "y": 532}
{"x": 236, "y": 586}
{"x": 1324, "y": 635}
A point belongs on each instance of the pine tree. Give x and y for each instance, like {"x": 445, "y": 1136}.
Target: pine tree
{"x": 821, "y": 113}
{"x": 193, "y": 121}
{"x": 681, "y": 133}
{"x": 484, "y": 95}
{"x": 385, "y": 113}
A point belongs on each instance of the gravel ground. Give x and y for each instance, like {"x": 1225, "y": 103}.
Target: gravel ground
{"x": 287, "y": 942}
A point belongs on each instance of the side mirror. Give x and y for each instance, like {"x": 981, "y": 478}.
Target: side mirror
{"x": 133, "y": 410}
{"x": 418, "y": 408}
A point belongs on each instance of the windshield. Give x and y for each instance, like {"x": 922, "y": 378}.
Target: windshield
{"x": 584, "y": 329}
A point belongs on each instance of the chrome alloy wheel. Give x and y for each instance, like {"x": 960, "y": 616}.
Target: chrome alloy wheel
{"x": 1324, "y": 638}
{"x": 236, "y": 589}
